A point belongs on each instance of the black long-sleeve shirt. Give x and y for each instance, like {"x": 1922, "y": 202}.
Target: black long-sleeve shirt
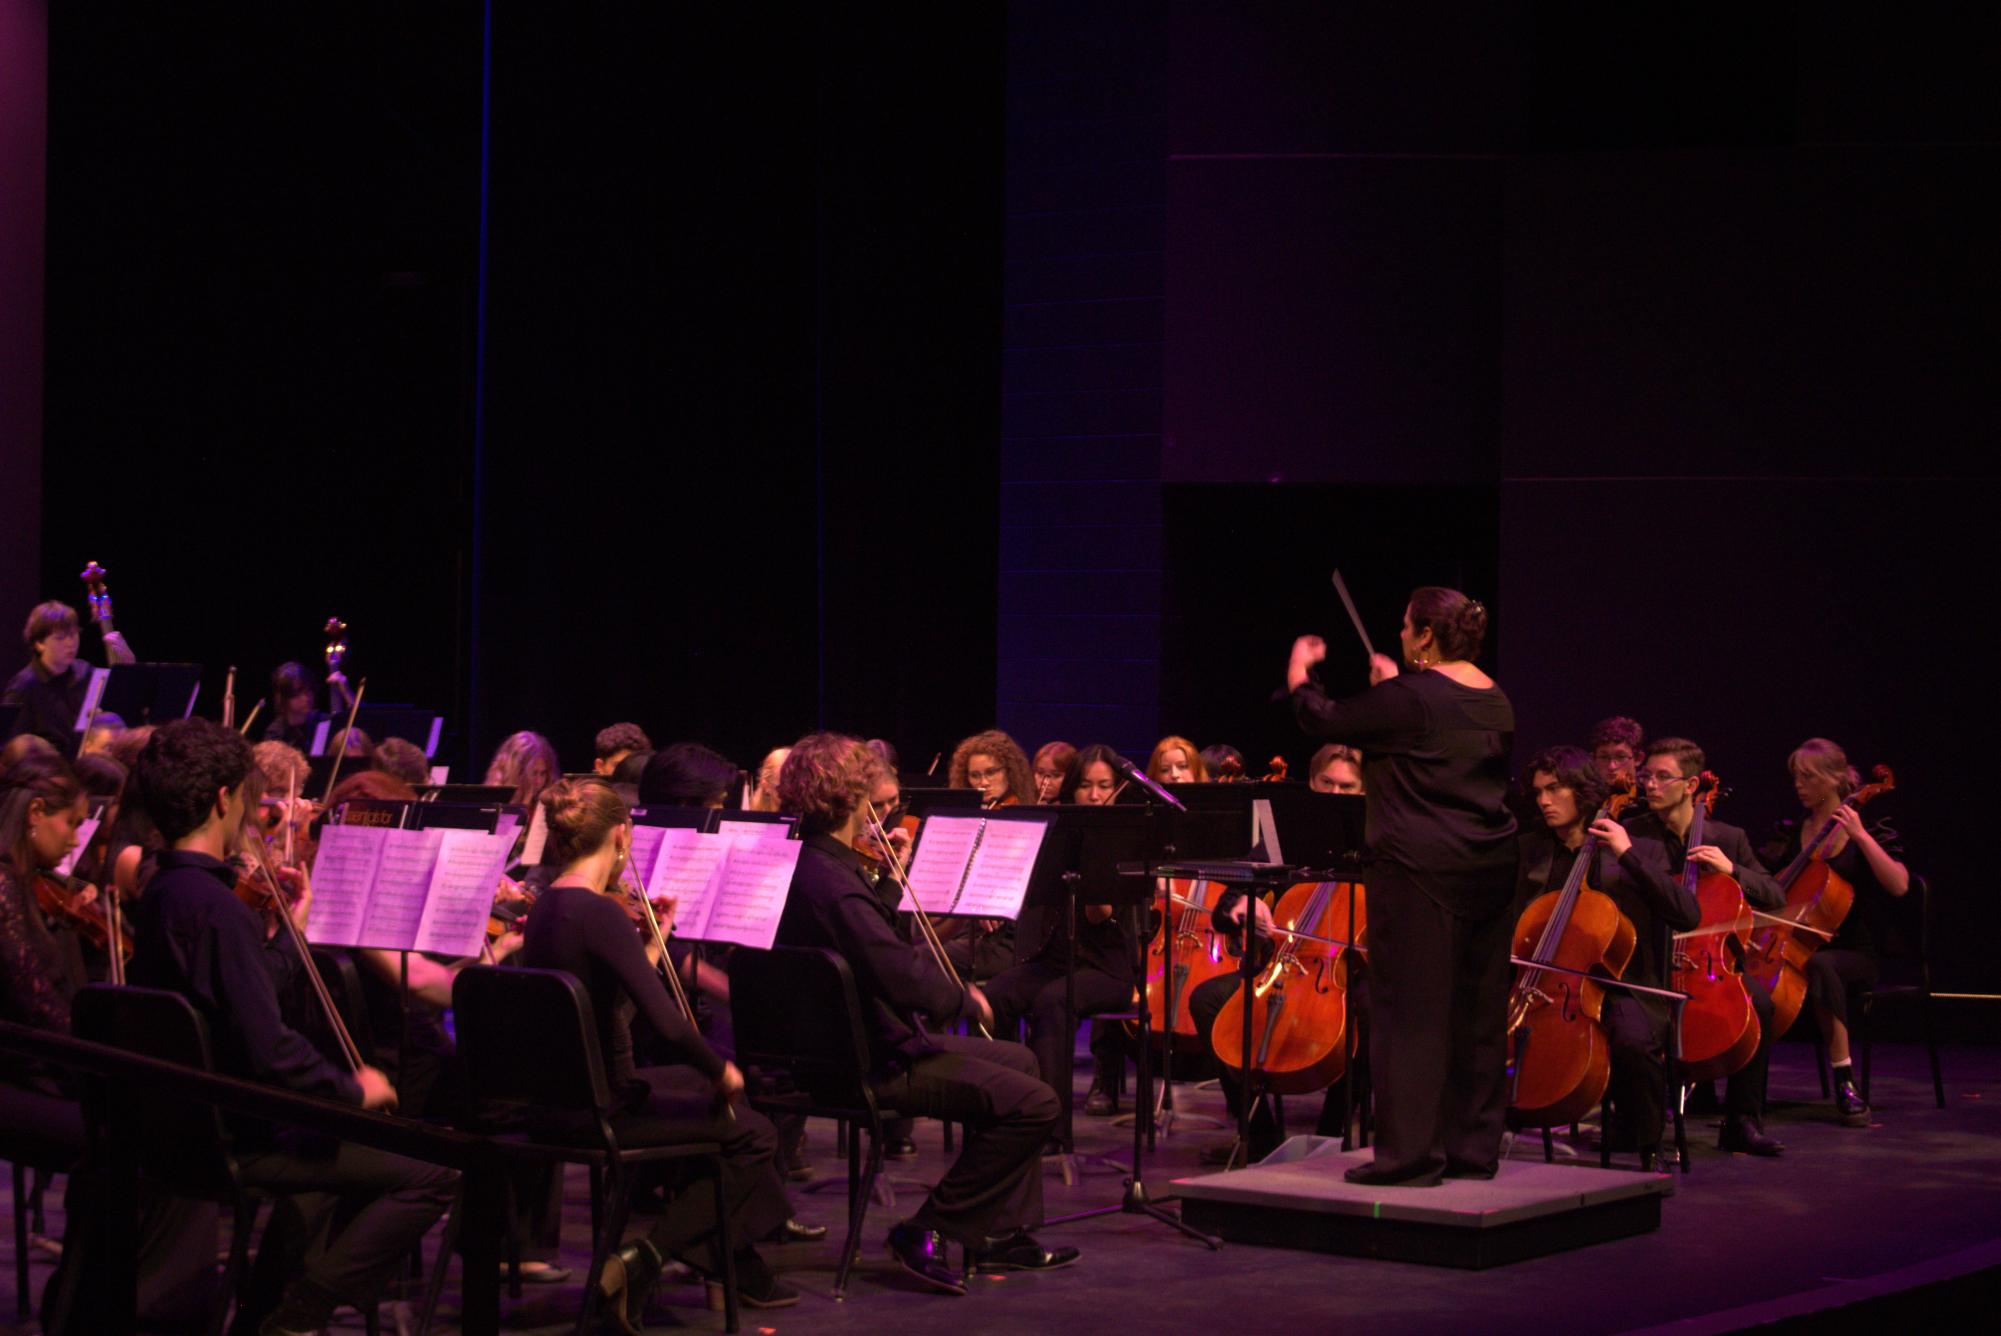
{"x": 1759, "y": 886}
{"x": 1871, "y": 926}
{"x": 49, "y": 704}
{"x": 1435, "y": 764}
{"x": 833, "y": 906}
{"x": 583, "y": 933}
{"x": 195, "y": 938}
{"x": 37, "y": 977}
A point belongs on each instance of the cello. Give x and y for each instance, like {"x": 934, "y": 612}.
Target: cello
{"x": 1185, "y": 953}
{"x": 1817, "y": 900}
{"x": 1557, "y": 1050}
{"x": 1299, "y": 1003}
{"x": 1719, "y": 1027}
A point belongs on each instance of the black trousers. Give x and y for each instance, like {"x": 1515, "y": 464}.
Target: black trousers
{"x": 681, "y": 1106}
{"x": 1744, "y": 1092}
{"x": 1035, "y": 992}
{"x": 1836, "y": 975}
{"x": 1637, "y": 1036}
{"x": 1438, "y": 987}
{"x": 345, "y": 1219}
{"x": 1010, "y": 1113}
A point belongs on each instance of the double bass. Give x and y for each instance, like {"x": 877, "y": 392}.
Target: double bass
{"x": 1557, "y": 1050}
{"x": 1299, "y": 1002}
{"x": 1817, "y": 900}
{"x": 1719, "y": 1027}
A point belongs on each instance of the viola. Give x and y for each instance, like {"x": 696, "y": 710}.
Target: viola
{"x": 1558, "y": 1052}
{"x": 1299, "y": 1002}
{"x": 1817, "y": 901}
{"x": 1719, "y": 1026}
{"x": 1185, "y": 954}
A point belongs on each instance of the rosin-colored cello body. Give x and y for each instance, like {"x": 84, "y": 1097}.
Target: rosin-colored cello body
{"x": 1299, "y": 1014}
{"x": 1184, "y": 954}
{"x": 1557, "y": 1049}
{"x": 1719, "y": 1026}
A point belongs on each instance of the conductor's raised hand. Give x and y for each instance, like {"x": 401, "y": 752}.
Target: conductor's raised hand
{"x": 1381, "y": 669}
{"x": 1306, "y": 651}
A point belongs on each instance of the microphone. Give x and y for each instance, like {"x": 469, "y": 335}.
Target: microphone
{"x": 1139, "y": 777}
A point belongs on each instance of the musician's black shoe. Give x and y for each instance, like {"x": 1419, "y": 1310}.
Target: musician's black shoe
{"x": 305, "y": 1307}
{"x": 1849, "y": 1104}
{"x": 1369, "y": 1176}
{"x": 924, "y": 1255}
{"x": 792, "y": 1231}
{"x": 1019, "y": 1250}
{"x": 757, "y": 1287}
{"x": 1745, "y": 1136}
{"x": 628, "y": 1277}
{"x": 899, "y": 1148}
{"x": 1100, "y": 1103}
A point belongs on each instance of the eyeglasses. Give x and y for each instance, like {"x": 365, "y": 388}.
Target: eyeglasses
{"x": 1662, "y": 777}
{"x": 982, "y": 776}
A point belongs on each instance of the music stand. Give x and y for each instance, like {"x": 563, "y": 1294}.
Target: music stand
{"x": 411, "y": 723}
{"x": 1095, "y": 849}
{"x": 143, "y": 693}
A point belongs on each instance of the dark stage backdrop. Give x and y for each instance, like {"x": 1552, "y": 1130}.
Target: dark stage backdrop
{"x": 733, "y": 473}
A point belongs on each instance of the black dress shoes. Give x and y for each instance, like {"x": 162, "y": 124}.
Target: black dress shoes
{"x": 1368, "y": 1175}
{"x": 1100, "y": 1103}
{"x": 923, "y": 1254}
{"x": 628, "y": 1277}
{"x": 1019, "y": 1250}
{"x": 1745, "y": 1136}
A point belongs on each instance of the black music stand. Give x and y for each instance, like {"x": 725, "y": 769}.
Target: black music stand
{"x": 1096, "y": 851}
{"x": 149, "y": 693}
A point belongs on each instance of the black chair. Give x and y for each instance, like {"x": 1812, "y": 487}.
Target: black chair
{"x": 22, "y": 1155}
{"x": 1920, "y": 990}
{"x": 798, "y": 1015}
{"x": 181, "y": 1147}
{"x": 528, "y": 1039}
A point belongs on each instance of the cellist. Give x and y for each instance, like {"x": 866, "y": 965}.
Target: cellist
{"x": 1847, "y": 965}
{"x": 1667, "y": 775}
{"x": 1567, "y": 788}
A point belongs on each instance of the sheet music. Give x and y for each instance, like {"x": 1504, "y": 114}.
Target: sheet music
{"x": 320, "y": 737}
{"x": 755, "y": 878}
{"x": 753, "y": 830}
{"x": 92, "y": 694}
{"x": 538, "y": 835}
{"x": 85, "y": 833}
{"x": 343, "y": 871}
{"x": 685, "y": 870}
{"x": 646, "y": 850}
{"x": 944, "y": 848}
{"x": 997, "y": 882}
{"x": 402, "y": 883}
{"x": 460, "y": 896}
{"x": 441, "y": 774}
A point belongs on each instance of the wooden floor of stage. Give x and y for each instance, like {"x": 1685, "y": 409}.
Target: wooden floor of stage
{"x": 1845, "y": 1213}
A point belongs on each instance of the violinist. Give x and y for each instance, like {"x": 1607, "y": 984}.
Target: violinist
{"x": 993, "y": 764}
{"x": 764, "y": 793}
{"x": 403, "y": 759}
{"x": 1616, "y": 745}
{"x": 1224, "y": 763}
{"x": 1668, "y": 773}
{"x": 991, "y": 1196}
{"x": 614, "y": 743}
{"x": 1176, "y": 761}
{"x": 1050, "y": 764}
{"x": 1035, "y": 987}
{"x": 1567, "y": 788}
{"x": 1335, "y": 768}
{"x": 526, "y": 763}
{"x": 1861, "y": 854}
{"x": 579, "y": 926}
{"x": 1439, "y": 880}
{"x": 50, "y": 690}
{"x": 348, "y": 1215}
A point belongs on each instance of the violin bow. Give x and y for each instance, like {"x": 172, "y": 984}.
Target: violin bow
{"x": 340, "y": 752}
{"x": 929, "y": 931}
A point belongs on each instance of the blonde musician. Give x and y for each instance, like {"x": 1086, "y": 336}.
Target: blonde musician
{"x": 1335, "y": 768}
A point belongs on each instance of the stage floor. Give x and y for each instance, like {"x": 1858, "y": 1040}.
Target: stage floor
{"x": 1845, "y": 1214}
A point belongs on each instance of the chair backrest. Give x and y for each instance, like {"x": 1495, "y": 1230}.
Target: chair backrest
{"x": 528, "y": 1040}
{"x": 181, "y": 1144}
{"x": 796, "y": 1009}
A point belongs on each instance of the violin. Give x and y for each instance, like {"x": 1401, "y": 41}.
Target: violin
{"x": 1719, "y": 1026}
{"x": 92, "y": 922}
{"x": 1276, "y": 771}
{"x": 1817, "y": 900}
{"x": 1299, "y": 1002}
{"x": 1558, "y": 1052}
{"x": 1229, "y": 770}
